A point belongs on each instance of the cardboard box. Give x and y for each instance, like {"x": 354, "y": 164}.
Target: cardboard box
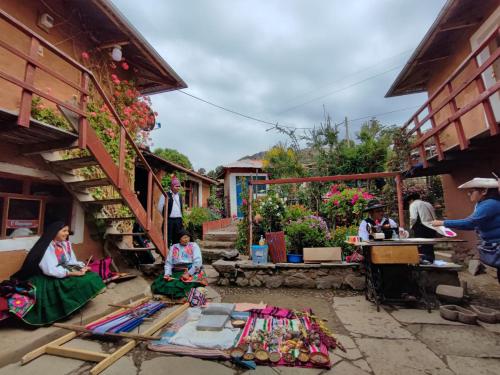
{"x": 322, "y": 255}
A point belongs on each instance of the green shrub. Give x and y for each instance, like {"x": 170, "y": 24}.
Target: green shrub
{"x": 311, "y": 231}
{"x": 193, "y": 220}
{"x": 296, "y": 212}
{"x": 339, "y": 236}
{"x": 272, "y": 210}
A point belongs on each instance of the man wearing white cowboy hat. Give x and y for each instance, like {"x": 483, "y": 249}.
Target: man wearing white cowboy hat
{"x": 485, "y": 193}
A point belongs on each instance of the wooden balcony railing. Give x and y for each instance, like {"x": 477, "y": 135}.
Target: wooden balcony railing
{"x": 427, "y": 124}
{"x": 87, "y": 137}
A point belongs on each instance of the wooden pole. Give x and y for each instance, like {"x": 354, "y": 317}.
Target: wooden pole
{"x": 250, "y": 220}
{"x": 399, "y": 193}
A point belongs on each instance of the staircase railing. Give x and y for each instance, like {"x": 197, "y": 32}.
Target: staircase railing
{"x": 88, "y": 139}
{"x": 428, "y": 112}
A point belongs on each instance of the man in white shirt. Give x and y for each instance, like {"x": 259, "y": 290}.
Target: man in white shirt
{"x": 174, "y": 211}
{"x": 377, "y": 222}
{"x": 422, "y": 212}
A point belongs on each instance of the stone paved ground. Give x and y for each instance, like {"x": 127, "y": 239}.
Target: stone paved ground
{"x": 392, "y": 341}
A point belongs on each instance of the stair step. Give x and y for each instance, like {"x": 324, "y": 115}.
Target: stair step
{"x": 109, "y": 219}
{"x": 89, "y": 183}
{"x": 217, "y": 245}
{"x": 214, "y": 236}
{"x": 75, "y": 163}
{"x": 104, "y": 202}
{"x": 136, "y": 248}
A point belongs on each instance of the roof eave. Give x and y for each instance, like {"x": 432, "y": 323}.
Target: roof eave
{"x": 426, "y": 39}
{"x": 120, "y": 20}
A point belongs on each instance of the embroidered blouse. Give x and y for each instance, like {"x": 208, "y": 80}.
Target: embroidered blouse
{"x": 189, "y": 254}
{"x": 57, "y": 257}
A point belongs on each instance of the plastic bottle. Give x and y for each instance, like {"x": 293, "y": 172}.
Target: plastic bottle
{"x": 262, "y": 241}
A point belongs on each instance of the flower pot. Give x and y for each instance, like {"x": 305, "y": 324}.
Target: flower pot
{"x": 295, "y": 258}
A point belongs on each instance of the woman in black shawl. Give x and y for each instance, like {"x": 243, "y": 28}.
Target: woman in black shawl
{"x": 62, "y": 283}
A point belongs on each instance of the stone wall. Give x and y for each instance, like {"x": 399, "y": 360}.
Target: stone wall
{"x": 292, "y": 275}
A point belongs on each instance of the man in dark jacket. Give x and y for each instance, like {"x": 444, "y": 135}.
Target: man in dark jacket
{"x": 174, "y": 211}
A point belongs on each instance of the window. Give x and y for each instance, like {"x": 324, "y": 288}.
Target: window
{"x": 259, "y": 189}
{"x": 27, "y": 205}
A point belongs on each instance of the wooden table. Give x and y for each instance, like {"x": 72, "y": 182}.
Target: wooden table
{"x": 396, "y": 263}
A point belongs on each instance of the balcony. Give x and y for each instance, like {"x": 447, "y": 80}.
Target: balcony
{"x": 462, "y": 116}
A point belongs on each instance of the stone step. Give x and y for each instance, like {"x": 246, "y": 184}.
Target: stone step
{"x": 221, "y": 236}
{"x": 212, "y": 255}
{"x": 217, "y": 245}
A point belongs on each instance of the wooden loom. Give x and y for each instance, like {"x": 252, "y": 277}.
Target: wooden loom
{"x": 103, "y": 360}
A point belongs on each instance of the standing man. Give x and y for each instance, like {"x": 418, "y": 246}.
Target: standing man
{"x": 422, "y": 212}
{"x": 174, "y": 211}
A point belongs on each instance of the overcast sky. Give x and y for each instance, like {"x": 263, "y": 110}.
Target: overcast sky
{"x": 277, "y": 60}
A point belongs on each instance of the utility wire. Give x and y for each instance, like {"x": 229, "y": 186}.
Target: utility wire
{"x": 338, "y": 90}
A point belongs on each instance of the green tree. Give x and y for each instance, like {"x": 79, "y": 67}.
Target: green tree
{"x": 215, "y": 173}
{"x": 174, "y": 156}
{"x": 282, "y": 162}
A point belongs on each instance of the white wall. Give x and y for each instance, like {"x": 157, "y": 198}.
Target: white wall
{"x": 232, "y": 188}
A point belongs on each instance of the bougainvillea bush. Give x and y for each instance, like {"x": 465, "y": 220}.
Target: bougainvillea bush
{"x": 311, "y": 231}
{"x": 344, "y": 205}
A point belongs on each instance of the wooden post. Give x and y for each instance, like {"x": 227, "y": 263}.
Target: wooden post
{"x": 250, "y": 221}
{"x": 399, "y": 193}
{"x": 122, "y": 150}
{"x": 82, "y": 121}
{"x": 149, "y": 201}
{"x": 29, "y": 77}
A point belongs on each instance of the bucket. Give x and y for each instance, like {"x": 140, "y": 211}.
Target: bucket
{"x": 295, "y": 258}
{"x": 259, "y": 254}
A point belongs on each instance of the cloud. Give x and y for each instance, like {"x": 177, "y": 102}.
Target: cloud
{"x": 262, "y": 58}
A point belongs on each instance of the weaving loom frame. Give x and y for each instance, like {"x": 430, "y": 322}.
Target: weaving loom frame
{"x": 103, "y": 360}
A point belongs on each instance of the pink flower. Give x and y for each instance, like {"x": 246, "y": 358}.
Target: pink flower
{"x": 114, "y": 77}
{"x": 125, "y": 66}
{"x": 354, "y": 199}
{"x": 112, "y": 65}
{"x": 336, "y": 202}
{"x": 125, "y": 122}
{"x": 244, "y": 202}
{"x": 85, "y": 55}
{"x": 93, "y": 114}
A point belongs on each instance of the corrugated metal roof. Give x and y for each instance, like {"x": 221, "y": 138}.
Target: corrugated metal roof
{"x": 245, "y": 163}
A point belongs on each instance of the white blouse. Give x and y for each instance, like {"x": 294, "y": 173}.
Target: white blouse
{"x": 50, "y": 264}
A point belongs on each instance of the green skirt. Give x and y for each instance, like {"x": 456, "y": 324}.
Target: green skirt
{"x": 59, "y": 298}
{"x": 176, "y": 288}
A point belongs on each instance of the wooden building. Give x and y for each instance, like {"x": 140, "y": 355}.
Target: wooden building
{"x": 235, "y": 176}
{"x": 196, "y": 187}
{"x": 456, "y": 133}
{"x": 67, "y": 55}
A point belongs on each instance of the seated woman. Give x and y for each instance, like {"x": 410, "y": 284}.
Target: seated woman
{"x": 183, "y": 269}
{"x": 62, "y": 283}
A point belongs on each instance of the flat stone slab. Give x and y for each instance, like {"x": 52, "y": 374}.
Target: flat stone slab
{"x": 490, "y": 327}
{"x": 340, "y": 265}
{"x": 466, "y": 341}
{"x": 361, "y": 317}
{"x": 124, "y": 366}
{"x": 414, "y": 316}
{"x": 46, "y": 364}
{"x": 346, "y": 368}
{"x": 396, "y": 357}
{"x": 183, "y": 365}
{"x": 248, "y": 264}
{"x": 476, "y": 366}
{"x": 298, "y": 265}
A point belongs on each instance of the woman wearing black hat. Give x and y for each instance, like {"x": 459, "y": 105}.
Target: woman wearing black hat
{"x": 376, "y": 222}
{"x": 183, "y": 269}
{"x": 62, "y": 283}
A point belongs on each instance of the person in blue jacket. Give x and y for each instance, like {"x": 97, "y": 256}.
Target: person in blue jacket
{"x": 485, "y": 220}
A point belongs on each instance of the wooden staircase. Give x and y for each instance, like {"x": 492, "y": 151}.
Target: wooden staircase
{"x": 66, "y": 168}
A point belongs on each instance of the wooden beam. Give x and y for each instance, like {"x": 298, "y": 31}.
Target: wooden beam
{"x": 84, "y": 355}
{"x": 105, "y": 363}
{"x": 82, "y": 329}
{"x": 399, "y": 193}
{"x": 70, "y": 336}
{"x": 340, "y": 177}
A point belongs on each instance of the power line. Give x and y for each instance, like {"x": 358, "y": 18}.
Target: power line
{"x": 338, "y": 90}
{"x": 349, "y": 75}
